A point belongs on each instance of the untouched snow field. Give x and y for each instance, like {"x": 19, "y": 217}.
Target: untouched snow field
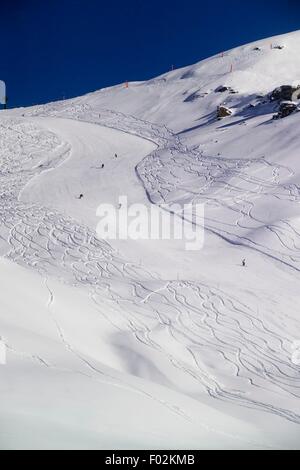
{"x": 142, "y": 344}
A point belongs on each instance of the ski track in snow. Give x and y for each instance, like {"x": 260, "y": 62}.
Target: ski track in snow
{"x": 201, "y": 320}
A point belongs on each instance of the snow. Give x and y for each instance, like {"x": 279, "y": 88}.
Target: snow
{"x": 122, "y": 343}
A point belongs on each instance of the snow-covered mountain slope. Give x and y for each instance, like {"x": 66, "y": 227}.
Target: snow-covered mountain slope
{"x": 110, "y": 339}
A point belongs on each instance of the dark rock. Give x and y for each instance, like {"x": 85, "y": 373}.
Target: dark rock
{"x": 285, "y": 93}
{"x": 286, "y": 108}
{"x": 223, "y": 89}
{"x": 223, "y": 112}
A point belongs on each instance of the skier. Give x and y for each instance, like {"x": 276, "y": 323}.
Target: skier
{"x": 102, "y": 166}
{"x": 116, "y": 156}
{"x": 80, "y": 196}
{"x": 244, "y": 262}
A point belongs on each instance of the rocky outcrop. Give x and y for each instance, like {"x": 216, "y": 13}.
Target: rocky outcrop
{"x": 286, "y": 93}
{"x": 223, "y": 89}
{"x": 223, "y": 112}
{"x": 286, "y": 108}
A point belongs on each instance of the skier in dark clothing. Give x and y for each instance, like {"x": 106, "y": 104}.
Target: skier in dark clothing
{"x": 80, "y": 196}
{"x": 102, "y": 166}
{"x": 116, "y": 156}
{"x": 244, "y": 262}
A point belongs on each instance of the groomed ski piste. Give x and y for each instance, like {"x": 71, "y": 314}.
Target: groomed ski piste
{"x": 127, "y": 344}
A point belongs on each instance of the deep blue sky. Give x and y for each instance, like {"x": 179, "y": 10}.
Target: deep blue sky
{"x": 63, "y": 48}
